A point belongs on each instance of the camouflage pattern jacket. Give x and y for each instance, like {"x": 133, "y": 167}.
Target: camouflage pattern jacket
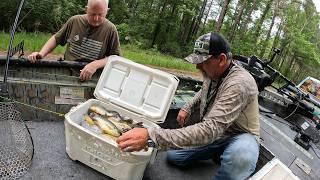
{"x": 233, "y": 110}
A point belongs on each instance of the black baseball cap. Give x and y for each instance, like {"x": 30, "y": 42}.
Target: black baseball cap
{"x": 207, "y": 45}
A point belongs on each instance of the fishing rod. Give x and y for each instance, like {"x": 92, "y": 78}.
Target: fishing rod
{"x": 4, "y": 88}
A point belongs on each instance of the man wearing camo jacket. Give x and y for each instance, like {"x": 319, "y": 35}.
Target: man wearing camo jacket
{"x": 228, "y": 125}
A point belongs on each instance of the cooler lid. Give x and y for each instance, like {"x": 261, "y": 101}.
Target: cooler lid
{"x": 140, "y": 89}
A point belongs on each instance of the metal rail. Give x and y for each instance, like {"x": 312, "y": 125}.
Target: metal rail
{"x": 21, "y": 61}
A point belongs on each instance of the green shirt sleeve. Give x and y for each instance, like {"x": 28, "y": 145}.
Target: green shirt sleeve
{"x": 114, "y": 43}
{"x": 62, "y": 35}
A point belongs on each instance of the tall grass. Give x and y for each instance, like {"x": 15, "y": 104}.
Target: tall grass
{"x": 35, "y": 41}
{"x": 152, "y": 57}
{"x": 32, "y": 41}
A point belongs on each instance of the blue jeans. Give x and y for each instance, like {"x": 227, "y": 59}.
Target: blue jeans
{"x": 238, "y": 155}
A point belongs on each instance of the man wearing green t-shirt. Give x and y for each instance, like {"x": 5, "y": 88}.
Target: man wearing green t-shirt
{"x": 89, "y": 37}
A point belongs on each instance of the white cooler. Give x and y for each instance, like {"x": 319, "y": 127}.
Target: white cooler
{"x": 136, "y": 91}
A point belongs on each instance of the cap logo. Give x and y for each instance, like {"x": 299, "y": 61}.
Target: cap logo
{"x": 201, "y": 47}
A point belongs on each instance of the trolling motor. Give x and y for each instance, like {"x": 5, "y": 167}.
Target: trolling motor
{"x": 297, "y": 103}
{"x": 257, "y": 67}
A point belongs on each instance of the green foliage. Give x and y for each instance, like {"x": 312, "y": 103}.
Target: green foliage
{"x": 124, "y": 32}
{"x": 300, "y": 28}
{"x": 171, "y": 26}
{"x": 34, "y": 42}
{"x": 118, "y": 12}
{"x": 298, "y": 36}
{"x": 155, "y": 58}
{"x": 162, "y": 24}
{"x": 43, "y": 16}
{"x": 159, "y": 24}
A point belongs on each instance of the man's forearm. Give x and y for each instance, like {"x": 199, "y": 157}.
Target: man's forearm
{"x": 48, "y": 46}
{"x": 100, "y": 63}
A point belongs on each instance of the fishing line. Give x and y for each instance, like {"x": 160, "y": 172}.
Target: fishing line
{"x": 297, "y": 105}
{"x": 34, "y": 107}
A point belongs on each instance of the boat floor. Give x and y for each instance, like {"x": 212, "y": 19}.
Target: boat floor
{"x": 51, "y": 161}
{"x": 278, "y": 137}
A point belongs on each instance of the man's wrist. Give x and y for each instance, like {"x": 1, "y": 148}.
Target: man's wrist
{"x": 39, "y": 56}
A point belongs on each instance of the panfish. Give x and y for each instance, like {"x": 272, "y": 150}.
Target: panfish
{"x": 112, "y": 113}
{"x": 98, "y": 109}
{"x": 93, "y": 128}
{"x": 137, "y": 125}
{"x": 128, "y": 123}
{"x": 121, "y": 125}
{"x": 115, "y": 118}
{"x": 127, "y": 119}
{"x": 102, "y": 111}
{"x": 105, "y": 125}
{"x": 89, "y": 120}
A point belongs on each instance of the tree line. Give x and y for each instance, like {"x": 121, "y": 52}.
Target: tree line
{"x": 253, "y": 27}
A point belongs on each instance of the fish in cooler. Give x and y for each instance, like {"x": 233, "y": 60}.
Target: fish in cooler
{"x": 105, "y": 125}
{"x": 92, "y": 127}
{"x": 109, "y": 122}
{"x": 103, "y": 112}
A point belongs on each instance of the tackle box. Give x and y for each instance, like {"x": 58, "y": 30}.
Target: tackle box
{"x": 142, "y": 93}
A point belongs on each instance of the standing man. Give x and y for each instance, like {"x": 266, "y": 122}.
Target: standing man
{"x": 228, "y": 125}
{"x": 90, "y": 37}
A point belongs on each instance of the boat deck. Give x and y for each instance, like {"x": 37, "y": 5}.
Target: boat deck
{"x": 51, "y": 161}
{"x": 32, "y": 85}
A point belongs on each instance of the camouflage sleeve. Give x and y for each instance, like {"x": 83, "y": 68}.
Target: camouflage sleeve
{"x": 188, "y": 107}
{"x": 225, "y": 109}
